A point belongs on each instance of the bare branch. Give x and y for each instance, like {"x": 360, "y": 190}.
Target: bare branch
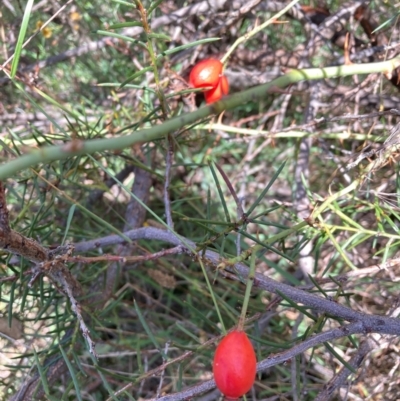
{"x": 13, "y": 242}
{"x": 372, "y": 323}
{"x": 339, "y": 379}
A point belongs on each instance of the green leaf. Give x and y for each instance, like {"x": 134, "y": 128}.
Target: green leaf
{"x": 122, "y": 37}
{"x": 104, "y": 380}
{"x": 123, "y": 3}
{"x": 21, "y": 37}
{"x": 136, "y": 75}
{"x": 188, "y": 332}
{"x": 337, "y": 356}
{"x": 265, "y": 245}
{"x": 147, "y": 330}
{"x": 69, "y": 219}
{"x": 72, "y": 373}
{"x": 321, "y": 290}
{"x": 11, "y": 302}
{"x": 220, "y": 193}
{"x": 153, "y": 6}
{"x": 386, "y": 23}
{"x": 42, "y": 374}
{"x": 186, "y": 46}
{"x": 300, "y": 308}
{"x": 160, "y": 36}
{"x": 125, "y": 25}
{"x": 263, "y": 193}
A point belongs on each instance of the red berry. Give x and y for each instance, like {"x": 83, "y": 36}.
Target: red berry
{"x": 234, "y": 365}
{"x": 222, "y": 89}
{"x": 206, "y": 73}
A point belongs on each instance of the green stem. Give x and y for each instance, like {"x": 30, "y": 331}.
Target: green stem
{"x": 249, "y": 285}
{"x": 75, "y": 148}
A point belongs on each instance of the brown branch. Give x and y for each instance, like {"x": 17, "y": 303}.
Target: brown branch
{"x": 135, "y": 215}
{"x": 117, "y": 258}
{"x": 373, "y": 323}
{"x": 16, "y": 243}
{"x": 13, "y": 242}
{"x": 53, "y": 267}
{"x": 361, "y": 323}
{"x": 340, "y": 378}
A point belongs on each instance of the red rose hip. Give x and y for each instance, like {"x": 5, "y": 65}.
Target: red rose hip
{"x": 206, "y": 73}
{"x": 235, "y": 365}
{"x": 222, "y": 89}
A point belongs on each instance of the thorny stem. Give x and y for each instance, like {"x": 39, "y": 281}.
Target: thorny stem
{"x": 147, "y": 30}
{"x": 47, "y": 154}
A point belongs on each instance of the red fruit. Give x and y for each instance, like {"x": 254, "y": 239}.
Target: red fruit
{"x": 222, "y": 89}
{"x": 234, "y": 365}
{"x": 206, "y": 73}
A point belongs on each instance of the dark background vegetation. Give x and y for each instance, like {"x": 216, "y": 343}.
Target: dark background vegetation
{"x": 147, "y": 303}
